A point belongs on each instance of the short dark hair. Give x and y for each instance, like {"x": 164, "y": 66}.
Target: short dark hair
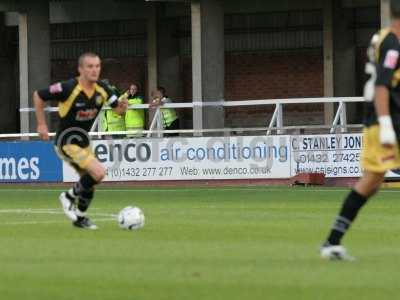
{"x": 395, "y": 9}
{"x": 84, "y": 55}
{"x": 162, "y": 90}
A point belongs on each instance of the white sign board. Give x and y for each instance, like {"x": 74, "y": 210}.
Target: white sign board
{"x": 233, "y": 157}
{"x": 334, "y": 155}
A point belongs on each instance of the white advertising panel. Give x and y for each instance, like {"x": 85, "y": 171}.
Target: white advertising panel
{"x": 233, "y": 157}
{"x": 335, "y": 155}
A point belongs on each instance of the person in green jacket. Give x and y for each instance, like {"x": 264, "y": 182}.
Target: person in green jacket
{"x": 134, "y": 118}
{"x": 169, "y": 115}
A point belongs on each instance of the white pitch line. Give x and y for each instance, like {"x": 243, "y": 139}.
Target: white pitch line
{"x": 5, "y": 211}
{"x": 47, "y": 211}
{"x": 49, "y": 222}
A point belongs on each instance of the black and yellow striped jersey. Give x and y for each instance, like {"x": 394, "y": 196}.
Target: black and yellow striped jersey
{"x": 383, "y": 68}
{"x": 78, "y": 108}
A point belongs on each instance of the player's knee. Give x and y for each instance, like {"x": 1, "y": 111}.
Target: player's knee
{"x": 369, "y": 184}
{"x": 99, "y": 174}
{"x": 366, "y": 191}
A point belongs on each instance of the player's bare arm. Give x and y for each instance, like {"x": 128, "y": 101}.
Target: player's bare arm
{"x": 382, "y": 101}
{"x": 39, "y": 105}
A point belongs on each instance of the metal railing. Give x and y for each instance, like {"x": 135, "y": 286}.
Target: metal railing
{"x": 274, "y": 124}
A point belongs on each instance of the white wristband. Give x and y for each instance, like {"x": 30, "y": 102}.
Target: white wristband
{"x": 385, "y": 121}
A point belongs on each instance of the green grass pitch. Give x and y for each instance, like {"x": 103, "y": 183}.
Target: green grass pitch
{"x": 201, "y": 243}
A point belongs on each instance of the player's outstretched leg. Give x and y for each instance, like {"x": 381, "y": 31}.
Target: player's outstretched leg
{"x": 355, "y": 200}
{"x": 332, "y": 249}
{"x": 85, "y": 196}
{"x": 70, "y": 199}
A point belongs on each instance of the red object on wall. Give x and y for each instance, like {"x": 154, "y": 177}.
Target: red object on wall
{"x": 308, "y": 179}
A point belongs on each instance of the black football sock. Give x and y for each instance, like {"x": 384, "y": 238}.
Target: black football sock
{"x": 85, "y": 198}
{"x": 86, "y": 182}
{"x": 84, "y": 189}
{"x": 351, "y": 206}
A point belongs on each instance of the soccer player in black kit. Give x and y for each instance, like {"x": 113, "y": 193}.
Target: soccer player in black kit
{"x": 80, "y": 101}
{"x": 381, "y": 133}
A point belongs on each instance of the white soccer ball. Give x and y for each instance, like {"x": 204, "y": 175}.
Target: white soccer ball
{"x": 131, "y": 218}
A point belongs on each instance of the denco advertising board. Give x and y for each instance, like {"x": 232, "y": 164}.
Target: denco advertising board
{"x": 234, "y": 157}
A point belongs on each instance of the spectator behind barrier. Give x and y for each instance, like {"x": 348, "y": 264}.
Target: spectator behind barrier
{"x": 134, "y": 118}
{"x": 169, "y": 115}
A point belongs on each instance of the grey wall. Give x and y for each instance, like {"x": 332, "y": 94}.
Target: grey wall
{"x": 110, "y": 39}
{"x": 168, "y": 54}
